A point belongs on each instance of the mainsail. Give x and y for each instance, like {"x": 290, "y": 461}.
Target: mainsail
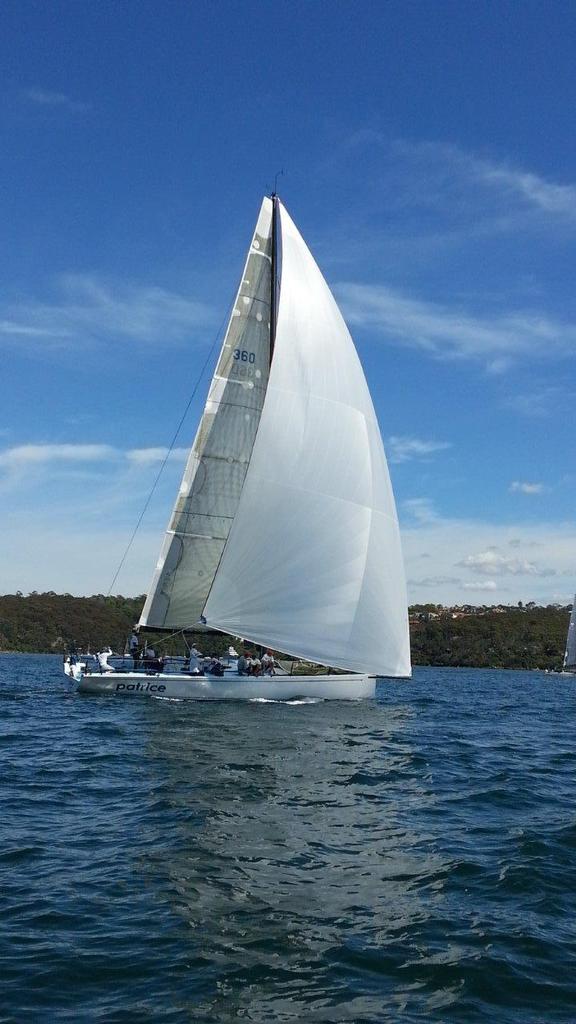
{"x": 570, "y": 653}
{"x": 214, "y": 475}
{"x": 313, "y": 565}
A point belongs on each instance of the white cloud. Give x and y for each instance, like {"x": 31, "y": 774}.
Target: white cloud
{"x": 22, "y": 456}
{"x": 58, "y": 100}
{"x": 522, "y": 487}
{"x": 420, "y": 509}
{"x": 13, "y": 329}
{"x": 546, "y": 195}
{"x": 492, "y": 563}
{"x": 89, "y": 309}
{"x": 28, "y": 454}
{"x": 403, "y": 449}
{"x": 447, "y": 332}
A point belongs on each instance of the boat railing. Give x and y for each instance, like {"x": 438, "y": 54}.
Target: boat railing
{"x": 94, "y": 664}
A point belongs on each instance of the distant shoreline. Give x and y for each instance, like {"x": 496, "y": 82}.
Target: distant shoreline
{"x": 467, "y": 636}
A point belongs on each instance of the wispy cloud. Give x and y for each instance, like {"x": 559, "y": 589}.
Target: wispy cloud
{"x": 404, "y": 449}
{"x": 9, "y": 327}
{"x": 421, "y": 510}
{"x": 546, "y": 195}
{"x": 37, "y": 454}
{"x": 26, "y": 455}
{"x": 451, "y": 167}
{"x": 447, "y": 332}
{"x": 58, "y": 100}
{"x": 541, "y": 402}
{"x": 88, "y": 308}
{"x": 521, "y": 487}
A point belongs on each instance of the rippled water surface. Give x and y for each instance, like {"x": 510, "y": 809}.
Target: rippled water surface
{"x": 405, "y": 859}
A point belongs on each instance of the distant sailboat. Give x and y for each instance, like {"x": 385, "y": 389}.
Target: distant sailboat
{"x": 569, "y": 664}
{"x": 284, "y": 530}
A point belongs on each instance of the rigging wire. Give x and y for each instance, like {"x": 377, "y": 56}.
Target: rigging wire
{"x": 169, "y": 452}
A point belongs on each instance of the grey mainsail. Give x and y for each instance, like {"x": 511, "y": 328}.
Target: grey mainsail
{"x": 217, "y": 464}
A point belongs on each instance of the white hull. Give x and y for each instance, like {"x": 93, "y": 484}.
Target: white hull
{"x": 229, "y": 687}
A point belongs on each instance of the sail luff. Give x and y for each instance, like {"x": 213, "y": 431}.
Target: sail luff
{"x": 274, "y": 275}
{"x": 313, "y": 564}
{"x": 214, "y": 474}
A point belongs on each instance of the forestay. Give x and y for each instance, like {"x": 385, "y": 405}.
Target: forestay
{"x": 313, "y": 565}
{"x": 214, "y": 475}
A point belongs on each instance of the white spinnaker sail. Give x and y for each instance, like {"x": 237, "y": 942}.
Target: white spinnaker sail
{"x": 570, "y": 653}
{"x": 214, "y": 475}
{"x": 313, "y": 564}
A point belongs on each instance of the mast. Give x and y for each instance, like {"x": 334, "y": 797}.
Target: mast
{"x": 274, "y": 273}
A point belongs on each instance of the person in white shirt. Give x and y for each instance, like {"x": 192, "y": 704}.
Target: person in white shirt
{"x": 195, "y": 661}
{"x": 254, "y": 665}
{"x": 268, "y": 664}
{"x": 103, "y": 660}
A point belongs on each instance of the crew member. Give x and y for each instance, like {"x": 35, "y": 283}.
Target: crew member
{"x": 268, "y": 663}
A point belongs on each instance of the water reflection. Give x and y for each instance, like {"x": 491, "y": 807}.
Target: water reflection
{"x": 290, "y": 858}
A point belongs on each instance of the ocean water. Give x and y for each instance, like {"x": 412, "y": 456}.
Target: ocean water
{"x": 406, "y": 859}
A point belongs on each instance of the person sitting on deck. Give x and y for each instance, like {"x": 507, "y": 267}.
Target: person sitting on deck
{"x": 216, "y": 668}
{"x": 151, "y": 662}
{"x": 242, "y": 665}
{"x": 268, "y": 663}
{"x": 254, "y": 665}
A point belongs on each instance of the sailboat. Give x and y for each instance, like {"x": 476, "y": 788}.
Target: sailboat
{"x": 569, "y": 663}
{"x": 284, "y": 532}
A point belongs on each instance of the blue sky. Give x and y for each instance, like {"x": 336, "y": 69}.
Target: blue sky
{"x": 429, "y": 162}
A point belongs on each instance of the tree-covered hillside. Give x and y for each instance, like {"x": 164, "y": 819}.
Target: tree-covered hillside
{"x": 527, "y": 637}
{"x": 51, "y": 622}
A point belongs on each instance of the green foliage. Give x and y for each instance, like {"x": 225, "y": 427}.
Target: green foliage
{"x": 51, "y": 622}
{"x": 515, "y": 638}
